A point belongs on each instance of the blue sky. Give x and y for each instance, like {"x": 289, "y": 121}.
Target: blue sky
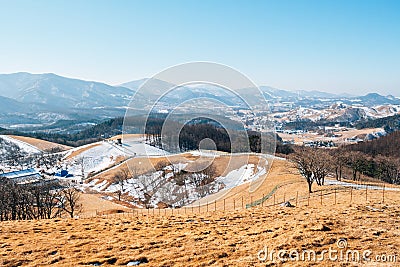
{"x": 334, "y": 46}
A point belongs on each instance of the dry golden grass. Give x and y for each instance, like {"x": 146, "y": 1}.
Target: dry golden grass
{"x": 93, "y": 204}
{"x": 40, "y": 144}
{"x": 187, "y": 237}
{"x": 281, "y": 174}
{"x": 231, "y": 238}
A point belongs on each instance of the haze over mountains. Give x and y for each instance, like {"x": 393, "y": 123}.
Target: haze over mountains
{"x": 47, "y": 98}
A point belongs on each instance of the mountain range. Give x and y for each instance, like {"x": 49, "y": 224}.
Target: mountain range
{"x": 46, "y": 98}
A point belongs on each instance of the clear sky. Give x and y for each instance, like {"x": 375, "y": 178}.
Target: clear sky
{"x": 334, "y": 46}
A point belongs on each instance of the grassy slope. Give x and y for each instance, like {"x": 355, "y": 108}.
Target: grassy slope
{"x": 222, "y": 238}
{"x": 40, "y": 144}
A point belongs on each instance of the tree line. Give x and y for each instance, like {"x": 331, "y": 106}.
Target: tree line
{"x": 190, "y": 136}
{"x": 226, "y": 140}
{"x": 89, "y": 135}
{"x": 390, "y": 123}
{"x": 36, "y": 201}
{"x": 377, "y": 159}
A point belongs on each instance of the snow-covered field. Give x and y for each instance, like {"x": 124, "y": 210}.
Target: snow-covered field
{"x": 93, "y": 159}
{"x": 242, "y": 175}
{"x": 101, "y": 155}
{"x": 162, "y": 186}
{"x": 136, "y": 146}
{"x": 173, "y": 184}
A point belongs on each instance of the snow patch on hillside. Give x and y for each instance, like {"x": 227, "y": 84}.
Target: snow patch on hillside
{"x": 106, "y": 153}
{"x": 164, "y": 189}
{"x": 242, "y": 175}
{"x": 94, "y": 159}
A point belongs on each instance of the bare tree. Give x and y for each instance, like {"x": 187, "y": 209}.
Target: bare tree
{"x": 209, "y": 173}
{"x": 356, "y": 161}
{"x": 304, "y": 162}
{"x": 81, "y": 162}
{"x": 70, "y": 198}
{"x": 120, "y": 178}
{"x": 314, "y": 164}
{"x": 181, "y": 180}
{"x": 29, "y": 201}
{"x": 51, "y": 202}
{"x": 322, "y": 165}
{"x": 338, "y": 159}
{"x": 388, "y": 168}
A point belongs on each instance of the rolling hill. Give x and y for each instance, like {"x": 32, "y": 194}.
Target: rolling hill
{"x": 226, "y": 237}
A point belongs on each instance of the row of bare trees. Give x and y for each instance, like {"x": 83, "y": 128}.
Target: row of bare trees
{"x": 314, "y": 164}
{"x": 39, "y": 201}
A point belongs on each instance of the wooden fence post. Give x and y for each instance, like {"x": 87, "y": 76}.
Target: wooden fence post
{"x": 224, "y": 204}
{"x": 321, "y": 196}
{"x": 262, "y": 201}
{"x": 234, "y": 204}
{"x": 351, "y": 195}
{"x": 383, "y": 194}
{"x": 335, "y": 196}
{"x": 297, "y": 197}
{"x": 242, "y": 202}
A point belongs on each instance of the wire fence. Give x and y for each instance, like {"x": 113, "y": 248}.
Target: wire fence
{"x": 364, "y": 194}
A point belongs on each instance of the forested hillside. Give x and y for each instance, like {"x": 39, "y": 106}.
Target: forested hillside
{"x": 189, "y": 139}
{"x": 388, "y": 146}
{"x": 390, "y": 124}
{"x": 378, "y": 158}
